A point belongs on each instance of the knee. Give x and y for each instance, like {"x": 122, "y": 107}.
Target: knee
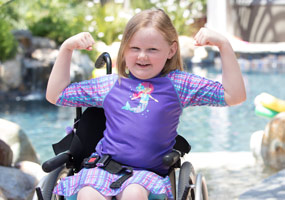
{"x": 135, "y": 191}
{"x": 88, "y": 193}
{"x": 84, "y": 193}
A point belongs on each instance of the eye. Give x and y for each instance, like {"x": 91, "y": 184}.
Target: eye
{"x": 153, "y": 49}
{"x": 134, "y": 48}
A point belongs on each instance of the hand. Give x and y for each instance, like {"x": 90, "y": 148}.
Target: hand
{"x": 82, "y": 40}
{"x": 206, "y": 36}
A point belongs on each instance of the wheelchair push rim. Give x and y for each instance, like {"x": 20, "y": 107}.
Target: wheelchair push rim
{"x": 201, "y": 191}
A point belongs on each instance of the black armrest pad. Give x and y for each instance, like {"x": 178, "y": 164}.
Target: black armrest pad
{"x": 171, "y": 158}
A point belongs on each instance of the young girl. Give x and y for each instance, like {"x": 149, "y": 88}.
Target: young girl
{"x": 142, "y": 103}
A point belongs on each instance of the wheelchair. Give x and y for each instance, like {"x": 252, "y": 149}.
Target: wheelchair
{"x": 76, "y": 146}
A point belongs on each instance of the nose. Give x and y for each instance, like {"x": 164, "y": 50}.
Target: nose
{"x": 142, "y": 56}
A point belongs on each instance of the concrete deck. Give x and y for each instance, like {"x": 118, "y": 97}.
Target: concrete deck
{"x": 257, "y": 48}
{"x": 236, "y": 175}
{"x": 240, "y": 46}
{"x": 272, "y": 188}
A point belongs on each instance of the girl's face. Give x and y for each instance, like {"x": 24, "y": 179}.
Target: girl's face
{"x": 147, "y": 53}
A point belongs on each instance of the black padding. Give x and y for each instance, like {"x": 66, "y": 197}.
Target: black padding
{"x": 63, "y": 145}
{"x": 82, "y": 143}
{"x": 182, "y": 145}
{"x": 76, "y": 146}
{"x": 90, "y": 131}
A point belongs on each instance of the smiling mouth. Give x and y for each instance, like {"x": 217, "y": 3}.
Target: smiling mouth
{"x": 143, "y": 65}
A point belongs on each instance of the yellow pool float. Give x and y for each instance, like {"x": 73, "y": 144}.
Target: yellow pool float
{"x": 271, "y": 102}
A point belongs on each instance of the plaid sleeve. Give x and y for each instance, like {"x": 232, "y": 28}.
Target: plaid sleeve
{"x": 87, "y": 93}
{"x": 194, "y": 90}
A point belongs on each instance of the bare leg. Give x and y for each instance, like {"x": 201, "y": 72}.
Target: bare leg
{"x": 88, "y": 193}
{"x": 133, "y": 191}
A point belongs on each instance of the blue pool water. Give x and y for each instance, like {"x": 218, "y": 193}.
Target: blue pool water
{"x": 206, "y": 128}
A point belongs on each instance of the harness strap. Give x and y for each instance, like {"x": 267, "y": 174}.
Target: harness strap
{"x": 118, "y": 183}
{"x": 115, "y": 168}
{"x": 111, "y": 166}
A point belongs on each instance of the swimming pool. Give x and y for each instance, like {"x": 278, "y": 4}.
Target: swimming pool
{"x": 208, "y": 129}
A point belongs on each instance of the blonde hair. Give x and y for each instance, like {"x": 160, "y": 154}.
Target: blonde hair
{"x": 159, "y": 20}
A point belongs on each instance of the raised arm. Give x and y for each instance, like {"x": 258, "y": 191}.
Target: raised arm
{"x": 232, "y": 79}
{"x": 60, "y": 75}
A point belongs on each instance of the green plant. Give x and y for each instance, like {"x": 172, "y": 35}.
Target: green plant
{"x": 8, "y": 44}
{"x": 183, "y": 13}
{"x": 107, "y": 22}
{"x": 60, "y": 19}
{"x": 56, "y": 19}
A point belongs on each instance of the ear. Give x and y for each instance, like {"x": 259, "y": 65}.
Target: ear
{"x": 172, "y": 51}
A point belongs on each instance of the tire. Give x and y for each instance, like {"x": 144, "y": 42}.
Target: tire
{"x": 51, "y": 181}
{"x": 186, "y": 180}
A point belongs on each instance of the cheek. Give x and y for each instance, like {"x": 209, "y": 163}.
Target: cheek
{"x": 130, "y": 57}
{"x": 160, "y": 60}
{"x": 129, "y": 61}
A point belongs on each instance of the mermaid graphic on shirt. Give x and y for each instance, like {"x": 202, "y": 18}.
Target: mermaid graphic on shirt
{"x": 144, "y": 91}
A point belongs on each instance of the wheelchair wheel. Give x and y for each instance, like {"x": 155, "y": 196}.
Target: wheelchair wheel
{"x": 191, "y": 186}
{"x": 51, "y": 181}
{"x": 186, "y": 181}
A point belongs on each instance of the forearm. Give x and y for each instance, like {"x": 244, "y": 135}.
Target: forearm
{"x": 232, "y": 79}
{"x": 60, "y": 75}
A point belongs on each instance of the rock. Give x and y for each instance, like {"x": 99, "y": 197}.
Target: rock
{"x": 81, "y": 66}
{"x": 46, "y": 55}
{"x": 2, "y": 197}
{"x": 15, "y": 184}
{"x": 28, "y": 73}
{"x": 36, "y": 73}
{"x": 6, "y": 154}
{"x": 273, "y": 143}
{"x": 14, "y": 136}
{"x": 43, "y": 43}
{"x": 24, "y": 38}
{"x": 10, "y": 75}
{"x": 255, "y": 144}
{"x": 29, "y": 70}
{"x": 33, "y": 169}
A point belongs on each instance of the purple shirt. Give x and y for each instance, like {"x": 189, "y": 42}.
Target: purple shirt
{"x": 142, "y": 115}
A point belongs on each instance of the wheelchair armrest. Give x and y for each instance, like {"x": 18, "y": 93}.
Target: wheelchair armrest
{"x": 56, "y": 161}
{"x": 171, "y": 158}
